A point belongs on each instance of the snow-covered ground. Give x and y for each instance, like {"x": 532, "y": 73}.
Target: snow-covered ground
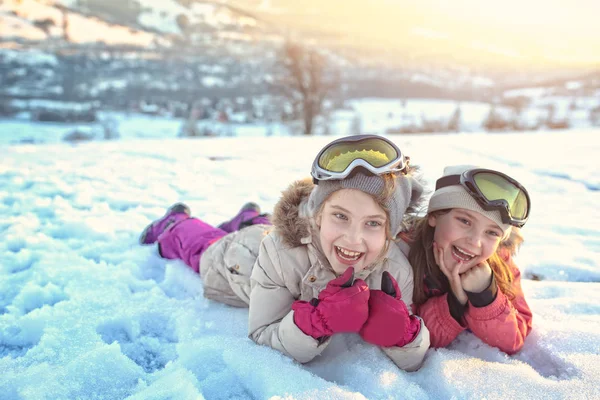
{"x": 86, "y": 312}
{"x": 367, "y": 115}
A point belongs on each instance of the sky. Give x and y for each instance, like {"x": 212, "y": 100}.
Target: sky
{"x": 86, "y": 312}
{"x": 540, "y": 33}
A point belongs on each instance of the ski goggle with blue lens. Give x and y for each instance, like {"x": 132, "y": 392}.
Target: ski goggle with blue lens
{"x": 493, "y": 190}
{"x": 341, "y": 157}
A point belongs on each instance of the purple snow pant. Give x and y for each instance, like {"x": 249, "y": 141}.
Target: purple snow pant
{"x": 187, "y": 240}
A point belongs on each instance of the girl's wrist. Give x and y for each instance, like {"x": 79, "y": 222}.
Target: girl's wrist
{"x": 485, "y": 297}
{"x": 482, "y": 286}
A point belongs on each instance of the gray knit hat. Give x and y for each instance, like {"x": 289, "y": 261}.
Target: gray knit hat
{"x": 457, "y": 197}
{"x": 407, "y": 190}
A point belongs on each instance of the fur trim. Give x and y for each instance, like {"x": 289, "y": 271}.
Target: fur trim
{"x": 286, "y": 215}
{"x": 417, "y": 207}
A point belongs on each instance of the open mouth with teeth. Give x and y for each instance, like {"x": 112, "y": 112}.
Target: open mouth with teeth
{"x": 348, "y": 255}
{"x": 461, "y": 254}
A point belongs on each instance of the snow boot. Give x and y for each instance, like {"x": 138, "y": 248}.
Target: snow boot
{"x": 177, "y": 212}
{"x": 264, "y": 219}
{"x": 242, "y": 219}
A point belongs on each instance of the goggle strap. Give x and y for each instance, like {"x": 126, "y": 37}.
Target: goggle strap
{"x": 450, "y": 180}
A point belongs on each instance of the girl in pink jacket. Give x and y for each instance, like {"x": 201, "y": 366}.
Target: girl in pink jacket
{"x": 461, "y": 256}
{"x": 327, "y": 266}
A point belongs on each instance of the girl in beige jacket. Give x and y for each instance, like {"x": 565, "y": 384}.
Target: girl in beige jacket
{"x": 328, "y": 265}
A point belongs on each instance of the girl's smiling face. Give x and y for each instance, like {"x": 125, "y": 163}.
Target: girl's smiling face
{"x": 352, "y": 230}
{"x": 467, "y": 237}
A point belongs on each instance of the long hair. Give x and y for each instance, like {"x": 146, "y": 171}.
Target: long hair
{"x": 423, "y": 261}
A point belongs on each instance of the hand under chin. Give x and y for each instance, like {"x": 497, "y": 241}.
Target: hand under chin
{"x": 465, "y": 267}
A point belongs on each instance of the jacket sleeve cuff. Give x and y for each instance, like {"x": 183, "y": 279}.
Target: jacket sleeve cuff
{"x": 486, "y": 297}
{"x": 491, "y": 311}
{"x": 445, "y": 319}
{"x": 296, "y": 343}
{"x": 410, "y": 356}
{"x": 457, "y": 310}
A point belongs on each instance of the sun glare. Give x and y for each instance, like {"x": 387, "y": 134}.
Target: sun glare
{"x": 512, "y": 32}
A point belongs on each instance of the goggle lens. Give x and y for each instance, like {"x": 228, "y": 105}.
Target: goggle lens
{"x": 496, "y": 187}
{"x": 374, "y": 151}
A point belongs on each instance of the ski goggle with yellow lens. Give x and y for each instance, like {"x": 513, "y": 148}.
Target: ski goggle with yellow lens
{"x": 341, "y": 157}
{"x": 493, "y": 190}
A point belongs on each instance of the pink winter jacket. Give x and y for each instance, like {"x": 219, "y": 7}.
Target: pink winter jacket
{"x": 503, "y": 324}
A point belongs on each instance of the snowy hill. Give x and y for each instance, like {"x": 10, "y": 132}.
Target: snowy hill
{"x": 211, "y": 33}
{"x": 171, "y": 54}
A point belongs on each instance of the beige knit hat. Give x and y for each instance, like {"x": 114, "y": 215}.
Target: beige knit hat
{"x": 457, "y": 197}
{"x": 408, "y": 191}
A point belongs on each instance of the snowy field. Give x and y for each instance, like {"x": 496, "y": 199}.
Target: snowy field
{"x": 86, "y": 312}
{"x": 368, "y": 115}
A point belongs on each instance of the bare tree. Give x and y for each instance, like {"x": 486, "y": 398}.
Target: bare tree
{"x": 595, "y": 116}
{"x": 65, "y": 21}
{"x": 305, "y": 81}
{"x": 455, "y": 122}
{"x": 183, "y": 22}
{"x": 44, "y": 24}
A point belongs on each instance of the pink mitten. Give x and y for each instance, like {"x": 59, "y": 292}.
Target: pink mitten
{"x": 343, "y": 306}
{"x": 389, "y": 323}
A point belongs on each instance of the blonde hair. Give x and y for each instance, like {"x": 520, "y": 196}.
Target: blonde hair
{"x": 423, "y": 261}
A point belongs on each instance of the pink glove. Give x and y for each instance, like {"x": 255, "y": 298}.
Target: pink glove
{"x": 342, "y": 306}
{"x": 389, "y": 322}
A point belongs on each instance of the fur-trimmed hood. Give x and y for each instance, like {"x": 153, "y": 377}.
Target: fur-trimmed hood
{"x": 290, "y": 215}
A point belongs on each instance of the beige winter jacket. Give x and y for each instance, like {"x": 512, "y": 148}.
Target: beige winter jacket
{"x": 291, "y": 267}
{"x": 225, "y": 267}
